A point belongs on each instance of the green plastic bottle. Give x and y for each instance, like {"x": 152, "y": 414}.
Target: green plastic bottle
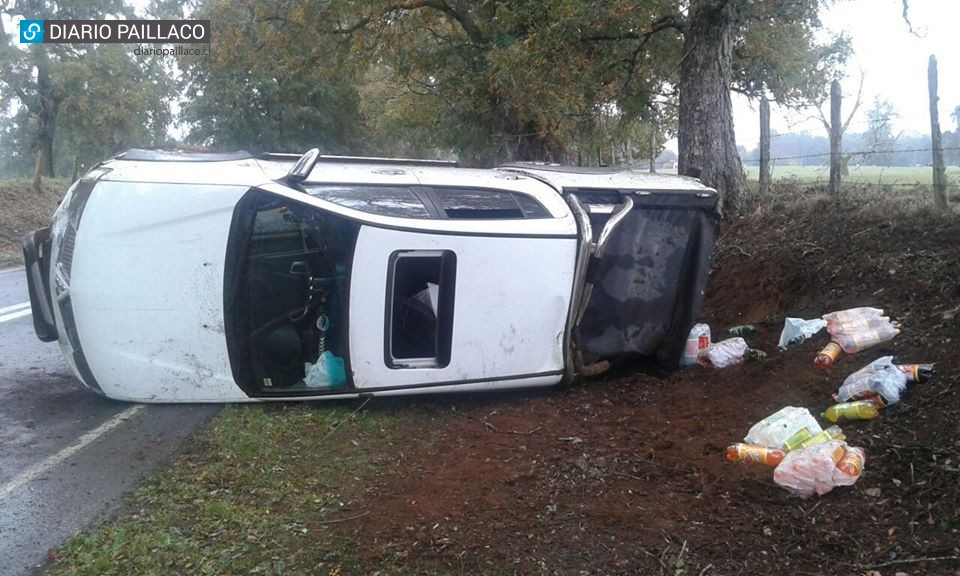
{"x": 859, "y": 410}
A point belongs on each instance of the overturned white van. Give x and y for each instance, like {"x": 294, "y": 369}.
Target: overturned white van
{"x": 176, "y": 277}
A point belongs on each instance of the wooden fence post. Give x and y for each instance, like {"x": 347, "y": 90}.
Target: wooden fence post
{"x": 766, "y": 185}
{"x": 836, "y": 135}
{"x": 936, "y": 139}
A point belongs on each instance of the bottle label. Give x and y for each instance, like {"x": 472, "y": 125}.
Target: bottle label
{"x": 703, "y": 342}
{"x": 912, "y": 371}
{"x": 832, "y": 350}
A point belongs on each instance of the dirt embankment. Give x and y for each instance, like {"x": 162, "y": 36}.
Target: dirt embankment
{"x": 626, "y": 474}
{"x": 23, "y": 210}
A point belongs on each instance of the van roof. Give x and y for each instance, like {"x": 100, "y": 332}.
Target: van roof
{"x": 613, "y": 178}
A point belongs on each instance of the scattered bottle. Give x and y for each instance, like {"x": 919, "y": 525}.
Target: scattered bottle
{"x": 832, "y": 433}
{"x": 754, "y": 454}
{"x": 796, "y": 441}
{"x": 743, "y": 330}
{"x": 697, "y": 341}
{"x": 857, "y": 341}
{"x": 828, "y": 356}
{"x": 754, "y": 355}
{"x": 917, "y": 372}
{"x": 859, "y": 410}
{"x": 858, "y": 389}
{"x": 849, "y": 460}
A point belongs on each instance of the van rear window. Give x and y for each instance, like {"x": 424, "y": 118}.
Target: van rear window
{"x": 476, "y": 203}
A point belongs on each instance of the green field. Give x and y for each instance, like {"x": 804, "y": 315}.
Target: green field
{"x": 875, "y": 175}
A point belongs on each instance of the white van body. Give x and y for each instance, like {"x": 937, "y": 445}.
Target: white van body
{"x": 170, "y": 277}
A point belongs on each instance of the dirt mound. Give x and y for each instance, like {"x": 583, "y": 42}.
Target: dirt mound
{"x": 626, "y": 474}
{"x": 24, "y": 210}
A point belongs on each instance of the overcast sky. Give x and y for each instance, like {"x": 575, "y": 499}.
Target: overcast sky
{"x": 894, "y": 64}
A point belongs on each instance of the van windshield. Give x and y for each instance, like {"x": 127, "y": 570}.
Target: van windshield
{"x": 291, "y": 297}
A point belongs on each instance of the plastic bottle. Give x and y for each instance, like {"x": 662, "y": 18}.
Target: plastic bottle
{"x": 858, "y": 341}
{"x": 917, "y": 372}
{"x": 850, "y": 461}
{"x": 858, "y": 326}
{"x": 743, "y": 330}
{"x": 859, "y": 410}
{"x": 828, "y": 356}
{"x": 832, "y": 433}
{"x": 697, "y": 341}
{"x": 754, "y": 355}
{"x": 752, "y": 453}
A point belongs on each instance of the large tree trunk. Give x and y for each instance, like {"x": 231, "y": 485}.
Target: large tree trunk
{"x": 47, "y": 117}
{"x": 705, "y": 137}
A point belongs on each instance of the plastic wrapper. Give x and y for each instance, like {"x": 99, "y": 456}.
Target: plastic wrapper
{"x": 797, "y": 330}
{"x": 852, "y": 315}
{"x": 859, "y": 341}
{"x": 328, "y": 372}
{"x": 724, "y": 353}
{"x": 860, "y": 326}
{"x": 820, "y": 468}
{"x": 889, "y": 382}
{"x": 697, "y": 341}
{"x": 856, "y": 386}
{"x": 785, "y": 425}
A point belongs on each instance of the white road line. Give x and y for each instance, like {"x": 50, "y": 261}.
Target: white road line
{"x": 15, "y": 315}
{"x": 41, "y": 468}
{"x": 10, "y": 270}
{"x": 15, "y": 307}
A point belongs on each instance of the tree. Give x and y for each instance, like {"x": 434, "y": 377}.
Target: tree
{"x": 879, "y": 138}
{"x": 498, "y": 80}
{"x": 36, "y": 76}
{"x": 270, "y": 83}
{"x": 759, "y": 48}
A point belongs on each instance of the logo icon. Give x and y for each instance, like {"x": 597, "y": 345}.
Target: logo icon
{"x": 31, "y": 31}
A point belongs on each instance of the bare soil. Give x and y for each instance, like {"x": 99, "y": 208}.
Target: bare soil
{"x": 23, "y": 210}
{"x": 625, "y": 474}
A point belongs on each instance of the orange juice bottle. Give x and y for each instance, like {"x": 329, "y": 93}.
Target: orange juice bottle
{"x": 752, "y": 453}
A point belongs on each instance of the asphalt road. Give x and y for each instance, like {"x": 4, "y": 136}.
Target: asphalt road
{"x": 67, "y": 456}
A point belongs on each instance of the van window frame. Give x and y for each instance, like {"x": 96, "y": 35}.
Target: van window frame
{"x": 446, "y": 306}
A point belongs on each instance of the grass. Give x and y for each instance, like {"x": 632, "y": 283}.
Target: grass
{"x": 859, "y": 175}
{"x": 251, "y": 496}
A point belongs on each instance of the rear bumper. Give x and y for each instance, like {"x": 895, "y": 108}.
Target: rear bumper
{"x": 36, "y": 257}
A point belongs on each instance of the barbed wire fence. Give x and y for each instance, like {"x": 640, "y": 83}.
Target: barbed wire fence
{"x": 895, "y": 179}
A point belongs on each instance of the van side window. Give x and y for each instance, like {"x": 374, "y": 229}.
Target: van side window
{"x": 398, "y": 201}
{"x": 475, "y": 203}
{"x": 420, "y": 308}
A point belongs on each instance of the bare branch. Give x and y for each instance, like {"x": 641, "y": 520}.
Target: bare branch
{"x": 856, "y": 104}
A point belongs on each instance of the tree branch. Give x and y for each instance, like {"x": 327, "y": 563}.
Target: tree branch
{"x": 670, "y": 21}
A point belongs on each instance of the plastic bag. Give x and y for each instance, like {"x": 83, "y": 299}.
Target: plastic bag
{"x": 855, "y": 327}
{"x": 858, "y": 341}
{"x": 796, "y": 330}
{"x": 820, "y": 468}
{"x": 852, "y": 315}
{"x": 698, "y": 340}
{"x": 785, "y": 425}
{"x": 328, "y": 372}
{"x": 889, "y": 382}
{"x": 856, "y": 386}
{"x": 724, "y": 353}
